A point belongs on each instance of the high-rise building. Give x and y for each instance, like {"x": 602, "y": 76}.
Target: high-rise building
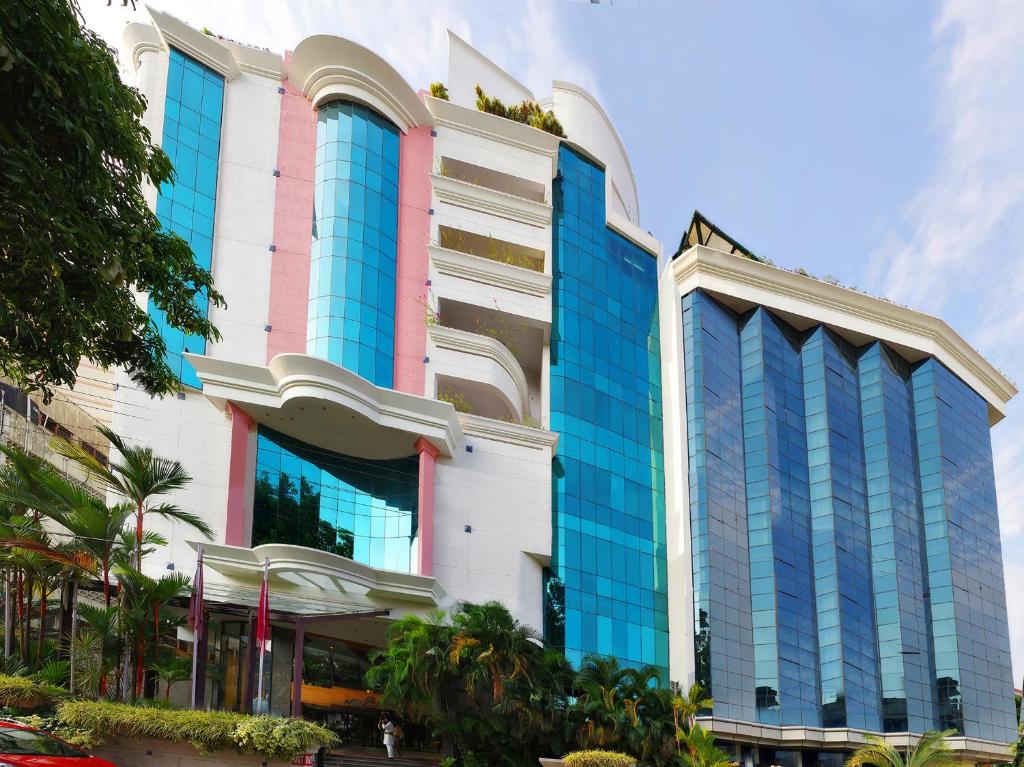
{"x": 453, "y": 368}
{"x": 834, "y": 560}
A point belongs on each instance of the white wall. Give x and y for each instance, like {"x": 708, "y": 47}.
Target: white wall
{"x": 467, "y": 67}
{"x": 504, "y": 492}
{"x": 679, "y": 560}
{"x": 244, "y": 227}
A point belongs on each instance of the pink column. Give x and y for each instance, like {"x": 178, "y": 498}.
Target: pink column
{"x": 238, "y": 471}
{"x": 416, "y": 160}
{"x": 293, "y": 224}
{"x": 428, "y": 456}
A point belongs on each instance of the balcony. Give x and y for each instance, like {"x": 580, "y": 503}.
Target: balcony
{"x": 505, "y": 183}
{"x": 482, "y": 370}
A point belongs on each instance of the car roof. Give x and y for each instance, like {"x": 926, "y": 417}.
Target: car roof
{"x": 15, "y": 725}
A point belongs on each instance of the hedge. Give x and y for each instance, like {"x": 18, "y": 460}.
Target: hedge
{"x": 270, "y": 737}
{"x": 598, "y": 759}
{"x": 22, "y": 692}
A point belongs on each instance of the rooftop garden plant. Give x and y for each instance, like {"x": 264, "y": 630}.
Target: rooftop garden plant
{"x": 439, "y": 91}
{"x": 528, "y": 112}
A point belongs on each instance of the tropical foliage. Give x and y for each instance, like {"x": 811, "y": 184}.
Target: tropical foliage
{"x": 483, "y": 684}
{"x": 207, "y": 731}
{"x": 439, "y": 91}
{"x": 528, "y": 112}
{"x": 77, "y": 237}
{"x": 598, "y": 759}
{"x": 55, "y": 535}
{"x": 931, "y": 751}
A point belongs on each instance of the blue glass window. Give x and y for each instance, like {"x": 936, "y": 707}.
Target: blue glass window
{"x": 186, "y": 206}
{"x": 606, "y": 587}
{"x": 351, "y": 319}
{"x": 362, "y": 509}
{"x": 723, "y": 629}
{"x": 973, "y": 689}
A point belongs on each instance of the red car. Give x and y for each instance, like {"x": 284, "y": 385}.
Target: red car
{"x": 22, "y": 746}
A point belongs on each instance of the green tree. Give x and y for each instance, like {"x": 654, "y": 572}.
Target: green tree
{"x": 699, "y": 750}
{"x": 931, "y": 751}
{"x": 138, "y": 475}
{"x": 76, "y": 234}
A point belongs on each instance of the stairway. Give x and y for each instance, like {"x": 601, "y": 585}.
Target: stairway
{"x": 338, "y": 759}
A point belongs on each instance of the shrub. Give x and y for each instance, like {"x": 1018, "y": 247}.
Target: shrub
{"x": 598, "y": 759}
{"x": 528, "y": 112}
{"x": 207, "y": 731}
{"x": 25, "y": 693}
{"x": 439, "y": 91}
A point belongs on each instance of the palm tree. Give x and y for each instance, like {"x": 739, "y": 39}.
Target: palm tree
{"x": 98, "y": 648}
{"x": 138, "y": 476}
{"x": 171, "y": 669}
{"x": 931, "y": 751}
{"x": 144, "y": 596}
{"x": 699, "y": 749}
{"x": 598, "y": 687}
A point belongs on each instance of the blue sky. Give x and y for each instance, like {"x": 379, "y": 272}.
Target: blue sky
{"x": 876, "y": 141}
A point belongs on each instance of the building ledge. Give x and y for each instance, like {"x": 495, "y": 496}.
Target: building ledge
{"x": 492, "y": 127}
{"x": 323, "y": 404}
{"x": 511, "y": 433}
{"x": 464, "y": 194}
{"x": 842, "y": 738}
{"x": 462, "y": 342}
{"x": 466, "y": 266}
{"x": 301, "y": 567}
{"x": 804, "y": 302}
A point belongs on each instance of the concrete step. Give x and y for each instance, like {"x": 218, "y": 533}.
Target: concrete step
{"x": 337, "y": 759}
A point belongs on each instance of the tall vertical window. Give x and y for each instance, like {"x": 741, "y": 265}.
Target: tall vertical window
{"x": 186, "y": 206}
{"x": 723, "y": 647}
{"x": 606, "y": 591}
{"x": 352, "y": 262}
{"x": 360, "y": 508}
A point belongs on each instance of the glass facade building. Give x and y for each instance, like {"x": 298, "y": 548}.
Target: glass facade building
{"x": 846, "y": 561}
{"x": 351, "y": 319}
{"x": 191, "y": 138}
{"x": 362, "y": 509}
{"x": 606, "y": 588}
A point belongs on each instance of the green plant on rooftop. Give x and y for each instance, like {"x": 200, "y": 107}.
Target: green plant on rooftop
{"x": 528, "y": 112}
{"x": 439, "y": 91}
{"x": 456, "y": 399}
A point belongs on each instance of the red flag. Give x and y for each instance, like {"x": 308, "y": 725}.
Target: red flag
{"x": 195, "y": 604}
{"x": 263, "y": 615}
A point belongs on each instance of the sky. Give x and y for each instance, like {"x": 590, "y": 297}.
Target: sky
{"x": 874, "y": 141}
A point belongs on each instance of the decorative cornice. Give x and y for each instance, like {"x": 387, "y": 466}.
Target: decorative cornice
{"x": 298, "y": 376}
{"x": 321, "y": 570}
{"x": 633, "y": 233}
{"x": 326, "y": 67}
{"x": 511, "y": 433}
{"x": 492, "y": 127}
{"x": 787, "y": 292}
{"x": 464, "y": 342}
{"x": 203, "y": 48}
{"x": 454, "y": 263}
{"x": 464, "y": 194}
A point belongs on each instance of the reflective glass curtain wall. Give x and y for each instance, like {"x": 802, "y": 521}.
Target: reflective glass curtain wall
{"x": 606, "y": 588}
{"x": 968, "y": 598}
{"x": 355, "y": 234}
{"x": 186, "y": 206}
{"x": 852, "y": 496}
{"x": 362, "y": 509}
{"x": 898, "y": 570}
{"x": 724, "y": 648}
{"x": 779, "y": 523}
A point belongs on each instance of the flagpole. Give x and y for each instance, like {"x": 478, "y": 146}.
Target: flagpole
{"x": 263, "y": 623}
{"x": 196, "y": 623}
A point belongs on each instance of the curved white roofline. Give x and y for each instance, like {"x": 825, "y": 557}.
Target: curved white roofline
{"x": 563, "y": 85}
{"x": 326, "y": 67}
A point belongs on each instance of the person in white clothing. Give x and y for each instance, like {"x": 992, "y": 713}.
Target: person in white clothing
{"x": 387, "y": 726}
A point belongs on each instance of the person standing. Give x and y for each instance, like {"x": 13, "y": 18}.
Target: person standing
{"x": 387, "y": 727}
